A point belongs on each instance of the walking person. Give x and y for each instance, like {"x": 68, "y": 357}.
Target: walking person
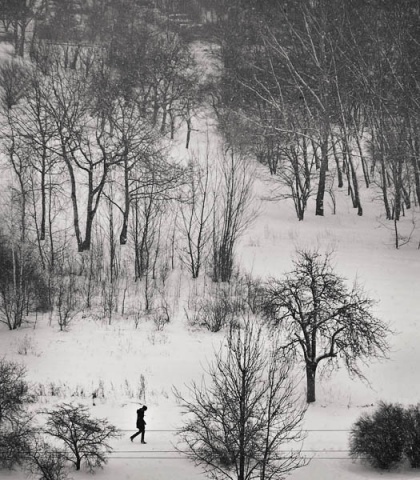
{"x": 140, "y": 424}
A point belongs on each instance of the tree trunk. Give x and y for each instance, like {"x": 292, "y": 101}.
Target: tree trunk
{"x": 310, "y": 383}
{"x": 50, "y": 227}
{"x": 357, "y": 202}
{"x": 73, "y": 196}
{"x": 242, "y": 426}
{"x": 416, "y": 168}
{"x": 85, "y": 245}
{"x": 16, "y": 36}
{"x": 363, "y": 161}
{"x": 398, "y": 187}
{"x": 385, "y": 189}
{"x": 415, "y": 162}
{"x": 22, "y": 39}
{"x": 126, "y": 211}
{"x": 189, "y": 128}
{"x": 322, "y": 176}
{"x": 43, "y": 206}
{"x": 337, "y": 162}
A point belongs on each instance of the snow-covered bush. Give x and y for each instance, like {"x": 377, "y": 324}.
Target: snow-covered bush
{"x": 251, "y": 293}
{"x": 16, "y": 428}
{"x": 215, "y": 310}
{"x": 26, "y": 346}
{"x": 14, "y": 391}
{"x": 380, "y": 437}
{"x": 85, "y": 438}
{"x": 67, "y": 299}
{"x": 15, "y": 441}
{"x": 161, "y": 317}
{"x": 412, "y": 434}
{"x": 219, "y": 311}
{"x": 46, "y": 462}
{"x": 23, "y": 286}
{"x": 216, "y": 313}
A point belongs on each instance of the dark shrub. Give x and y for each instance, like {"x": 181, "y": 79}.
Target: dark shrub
{"x": 46, "y": 462}
{"x": 85, "y": 438}
{"x": 16, "y": 430}
{"x": 14, "y": 391}
{"x": 23, "y": 286}
{"x": 412, "y": 432}
{"x": 379, "y": 438}
{"x": 15, "y": 442}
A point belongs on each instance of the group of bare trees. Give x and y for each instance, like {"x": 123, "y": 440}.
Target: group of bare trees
{"x": 326, "y": 92}
{"x": 83, "y": 438}
{"x": 86, "y": 125}
{"x": 244, "y": 419}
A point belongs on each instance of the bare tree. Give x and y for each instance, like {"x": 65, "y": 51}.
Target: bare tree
{"x": 14, "y": 391}
{"x": 46, "y": 460}
{"x": 14, "y": 83}
{"x": 196, "y": 214}
{"x": 20, "y": 14}
{"x": 321, "y": 319}
{"x": 67, "y": 299}
{"x": 15, "y": 440}
{"x": 85, "y": 438}
{"x": 23, "y": 287}
{"x": 142, "y": 164}
{"x": 147, "y": 222}
{"x": 248, "y": 410}
{"x": 296, "y": 173}
{"x": 85, "y": 143}
{"x": 16, "y": 429}
{"x": 231, "y": 213}
{"x": 34, "y": 127}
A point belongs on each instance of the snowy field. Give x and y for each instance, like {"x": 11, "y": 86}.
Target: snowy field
{"x": 125, "y": 362}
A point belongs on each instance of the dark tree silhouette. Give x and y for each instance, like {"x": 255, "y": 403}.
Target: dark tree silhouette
{"x": 85, "y": 438}
{"x": 14, "y": 390}
{"x": 238, "y": 422}
{"x": 322, "y": 319}
{"x": 16, "y": 431}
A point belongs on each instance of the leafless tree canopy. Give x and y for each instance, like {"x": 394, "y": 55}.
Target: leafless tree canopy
{"x": 14, "y": 391}
{"x": 245, "y": 409}
{"x": 85, "y": 438}
{"x": 321, "y": 319}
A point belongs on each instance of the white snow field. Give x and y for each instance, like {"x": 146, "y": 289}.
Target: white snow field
{"x": 125, "y": 362}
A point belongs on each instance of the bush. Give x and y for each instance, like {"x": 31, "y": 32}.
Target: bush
{"x": 412, "y": 434}
{"x": 161, "y": 317}
{"x": 14, "y": 391}
{"x": 85, "y": 438}
{"x": 45, "y": 462}
{"x": 215, "y": 313}
{"x": 16, "y": 430}
{"x": 220, "y": 310}
{"x": 380, "y": 437}
{"x": 15, "y": 442}
{"x": 23, "y": 286}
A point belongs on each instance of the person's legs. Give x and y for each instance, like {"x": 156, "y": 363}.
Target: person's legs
{"x": 142, "y": 436}
{"x": 135, "y": 435}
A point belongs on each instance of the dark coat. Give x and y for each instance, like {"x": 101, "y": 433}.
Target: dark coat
{"x": 140, "y": 424}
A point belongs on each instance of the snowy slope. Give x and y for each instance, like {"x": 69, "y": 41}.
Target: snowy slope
{"x": 127, "y": 363}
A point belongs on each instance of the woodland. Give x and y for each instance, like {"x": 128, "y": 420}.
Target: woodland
{"x": 140, "y": 142}
{"x": 322, "y": 94}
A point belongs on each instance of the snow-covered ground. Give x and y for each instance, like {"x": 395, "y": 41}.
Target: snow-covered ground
{"x": 126, "y": 362}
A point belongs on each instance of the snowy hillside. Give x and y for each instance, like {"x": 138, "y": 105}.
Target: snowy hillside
{"x": 134, "y": 360}
{"x": 126, "y": 363}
